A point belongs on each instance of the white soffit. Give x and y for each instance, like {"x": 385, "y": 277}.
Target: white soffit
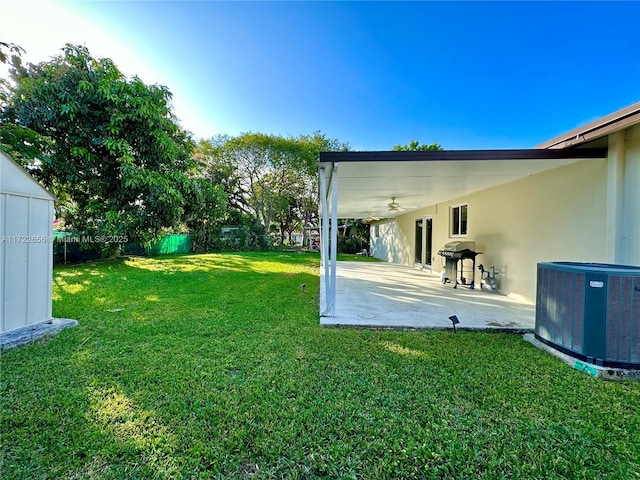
{"x": 366, "y": 188}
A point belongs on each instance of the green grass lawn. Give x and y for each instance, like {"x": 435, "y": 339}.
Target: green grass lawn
{"x": 215, "y": 366}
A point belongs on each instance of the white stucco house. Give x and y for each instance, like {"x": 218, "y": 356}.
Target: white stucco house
{"x": 573, "y": 198}
{"x": 26, "y": 253}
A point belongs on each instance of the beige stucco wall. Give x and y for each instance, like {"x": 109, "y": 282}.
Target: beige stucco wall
{"x": 558, "y": 215}
{"x": 390, "y": 243}
{"x": 630, "y": 241}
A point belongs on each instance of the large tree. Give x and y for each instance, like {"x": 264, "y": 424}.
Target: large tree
{"x": 107, "y": 142}
{"x": 311, "y": 146}
{"x": 220, "y": 170}
{"x": 249, "y": 162}
{"x": 11, "y": 54}
{"x": 271, "y": 178}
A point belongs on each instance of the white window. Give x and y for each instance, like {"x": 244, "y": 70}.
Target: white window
{"x": 459, "y": 221}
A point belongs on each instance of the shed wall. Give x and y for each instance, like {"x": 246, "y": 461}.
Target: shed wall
{"x": 26, "y": 260}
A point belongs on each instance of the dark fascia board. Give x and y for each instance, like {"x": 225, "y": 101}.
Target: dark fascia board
{"x": 460, "y": 155}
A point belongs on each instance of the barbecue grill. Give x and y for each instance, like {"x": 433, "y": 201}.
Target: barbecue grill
{"x": 455, "y": 253}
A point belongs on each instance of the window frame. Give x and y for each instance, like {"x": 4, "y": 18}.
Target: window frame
{"x": 461, "y": 221}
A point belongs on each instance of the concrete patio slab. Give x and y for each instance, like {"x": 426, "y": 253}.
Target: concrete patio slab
{"x": 386, "y": 295}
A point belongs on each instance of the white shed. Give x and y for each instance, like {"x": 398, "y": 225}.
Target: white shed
{"x": 26, "y": 250}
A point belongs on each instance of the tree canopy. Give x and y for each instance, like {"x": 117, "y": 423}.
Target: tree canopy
{"x": 107, "y": 143}
{"x": 271, "y": 178}
{"x": 415, "y": 145}
{"x": 111, "y": 151}
{"x": 11, "y": 54}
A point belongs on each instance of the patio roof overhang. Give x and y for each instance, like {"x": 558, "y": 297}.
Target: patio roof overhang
{"x": 366, "y": 181}
{"x": 362, "y": 184}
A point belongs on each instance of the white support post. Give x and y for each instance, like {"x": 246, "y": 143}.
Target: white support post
{"x": 324, "y": 243}
{"x": 334, "y": 237}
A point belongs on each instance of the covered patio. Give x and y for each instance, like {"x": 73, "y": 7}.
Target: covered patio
{"x": 387, "y": 185}
{"x": 386, "y": 295}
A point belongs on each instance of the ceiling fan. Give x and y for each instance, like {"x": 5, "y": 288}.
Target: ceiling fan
{"x": 396, "y": 207}
{"x": 369, "y": 218}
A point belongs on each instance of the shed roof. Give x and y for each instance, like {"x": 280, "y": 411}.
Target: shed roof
{"x": 14, "y": 180}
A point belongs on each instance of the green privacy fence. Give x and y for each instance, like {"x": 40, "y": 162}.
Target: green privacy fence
{"x": 166, "y": 245}
{"x": 69, "y": 248}
{"x": 170, "y": 244}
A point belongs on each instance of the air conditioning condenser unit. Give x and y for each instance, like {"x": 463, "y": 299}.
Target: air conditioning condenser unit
{"x": 590, "y": 311}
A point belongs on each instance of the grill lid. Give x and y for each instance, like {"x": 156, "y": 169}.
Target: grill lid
{"x": 459, "y": 246}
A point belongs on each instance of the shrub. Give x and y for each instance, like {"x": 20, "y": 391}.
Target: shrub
{"x": 351, "y": 244}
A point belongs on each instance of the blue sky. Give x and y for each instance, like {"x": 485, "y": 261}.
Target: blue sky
{"x": 373, "y": 74}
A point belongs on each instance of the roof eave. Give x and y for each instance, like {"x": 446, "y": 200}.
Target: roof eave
{"x": 613, "y": 122}
{"x": 462, "y": 155}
